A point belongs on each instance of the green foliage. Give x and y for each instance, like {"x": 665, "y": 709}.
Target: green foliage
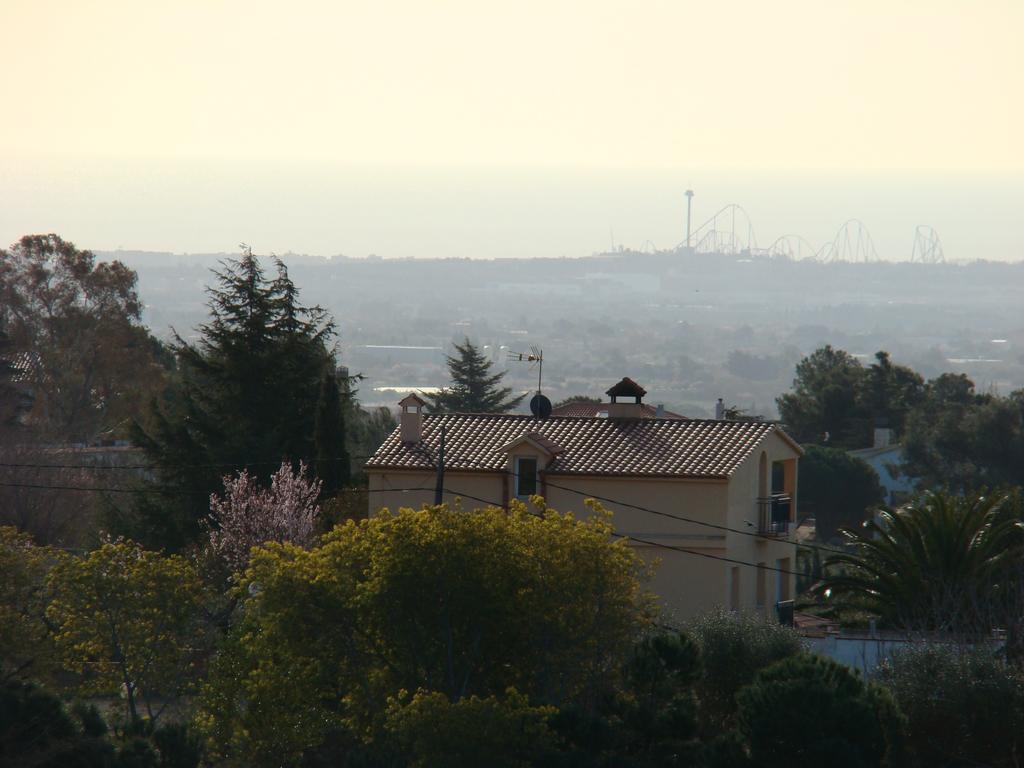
{"x": 178, "y": 745}
{"x": 658, "y": 705}
{"x": 366, "y": 429}
{"x": 458, "y": 602}
{"x": 332, "y": 462}
{"x": 24, "y": 640}
{"x": 811, "y": 711}
{"x": 837, "y": 489}
{"x": 125, "y": 619}
{"x": 733, "y": 648}
{"x": 963, "y": 706}
{"x": 36, "y": 730}
{"x": 504, "y": 732}
{"x": 474, "y": 388}
{"x": 246, "y": 396}
{"x": 944, "y": 562}
{"x": 963, "y": 440}
{"x": 77, "y": 322}
{"x": 835, "y": 400}
{"x": 889, "y": 392}
{"x": 823, "y": 405}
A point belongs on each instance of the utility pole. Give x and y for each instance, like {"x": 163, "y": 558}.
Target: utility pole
{"x": 439, "y": 488}
{"x": 689, "y": 201}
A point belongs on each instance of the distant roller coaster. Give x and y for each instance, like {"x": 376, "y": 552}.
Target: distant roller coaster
{"x": 927, "y": 246}
{"x": 730, "y": 232}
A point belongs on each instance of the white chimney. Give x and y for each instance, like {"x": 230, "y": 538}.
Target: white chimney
{"x": 411, "y": 419}
{"x": 719, "y": 410}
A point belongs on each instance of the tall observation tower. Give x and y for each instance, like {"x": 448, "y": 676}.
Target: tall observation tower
{"x": 689, "y": 201}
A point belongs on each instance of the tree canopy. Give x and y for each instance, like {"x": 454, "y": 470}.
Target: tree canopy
{"x": 248, "y": 514}
{"x": 75, "y": 322}
{"x": 963, "y": 705}
{"x": 125, "y": 618}
{"x": 837, "y": 489}
{"x": 953, "y": 436}
{"x": 835, "y": 401}
{"x": 457, "y": 602}
{"x": 807, "y": 711}
{"x": 964, "y": 440}
{"x": 253, "y": 391}
{"x": 474, "y": 389}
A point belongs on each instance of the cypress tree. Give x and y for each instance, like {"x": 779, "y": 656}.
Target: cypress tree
{"x": 332, "y": 460}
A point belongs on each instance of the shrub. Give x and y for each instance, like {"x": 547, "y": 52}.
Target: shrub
{"x": 733, "y": 648}
{"x": 499, "y": 732}
{"x": 962, "y": 706}
{"x": 811, "y": 711}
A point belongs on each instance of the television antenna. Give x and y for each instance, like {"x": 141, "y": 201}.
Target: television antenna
{"x": 540, "y": 406}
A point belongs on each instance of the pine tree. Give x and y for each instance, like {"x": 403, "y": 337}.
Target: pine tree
{"x": 246, "y": 398}
{"x": 474, "y": 388}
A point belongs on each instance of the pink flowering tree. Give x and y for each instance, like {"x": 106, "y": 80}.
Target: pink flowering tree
{"x": 249, "y": 514}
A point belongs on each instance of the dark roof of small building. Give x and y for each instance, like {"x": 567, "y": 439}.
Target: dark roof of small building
{"x": 626, "y": 387}
{"x": 591, "y": 410}
{"x": 693, "y": 448}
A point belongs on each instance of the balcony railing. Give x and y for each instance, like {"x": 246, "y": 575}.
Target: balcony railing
{"x": 773, "y": 514}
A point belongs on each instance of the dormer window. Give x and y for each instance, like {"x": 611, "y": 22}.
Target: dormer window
{"x": 526, "y": 476}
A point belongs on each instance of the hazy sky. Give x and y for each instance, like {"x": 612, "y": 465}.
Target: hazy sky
{"x": 229, "y": 102}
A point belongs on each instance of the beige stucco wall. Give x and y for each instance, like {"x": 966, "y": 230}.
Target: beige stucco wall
{"x": 744, "y": 488}
{"x": 686, "y": 582}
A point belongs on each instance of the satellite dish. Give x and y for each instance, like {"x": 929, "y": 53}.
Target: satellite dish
{"x": 540, "y": 406}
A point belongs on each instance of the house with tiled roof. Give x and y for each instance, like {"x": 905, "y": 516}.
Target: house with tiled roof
{"x": 710, "y": 502}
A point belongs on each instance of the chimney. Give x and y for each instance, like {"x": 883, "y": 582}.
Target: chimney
{"x": 659, "y": 413}
{"x": 411, "y": 419}
{"x": 883, "y": 437}
{"x": 719, "y": 410}
{"x": 626, "y": 388}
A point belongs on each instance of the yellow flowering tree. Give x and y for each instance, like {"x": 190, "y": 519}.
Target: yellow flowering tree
{"x": 126, "y": 618}
{"x": 459, "y": 603}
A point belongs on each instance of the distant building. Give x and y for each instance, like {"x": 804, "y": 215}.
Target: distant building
{"x": 714, "y": 501}
{"x": 885, "y": 457}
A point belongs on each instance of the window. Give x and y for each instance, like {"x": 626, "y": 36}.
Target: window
{"x": 526, "y": 477}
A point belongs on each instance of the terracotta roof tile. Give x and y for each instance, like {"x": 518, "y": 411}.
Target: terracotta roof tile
{"x": 653, "y": 447}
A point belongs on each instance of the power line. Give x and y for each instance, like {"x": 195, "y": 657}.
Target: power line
{"x": 237, "y": 465}
{"x": 598, "y": 497}
{"x": 681, "y": 518}
{"x": 657, "y": 544}
{"x": 616, "y": 502}
{"x": 168, "y": 492}
{"x": 456, "y": 492}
